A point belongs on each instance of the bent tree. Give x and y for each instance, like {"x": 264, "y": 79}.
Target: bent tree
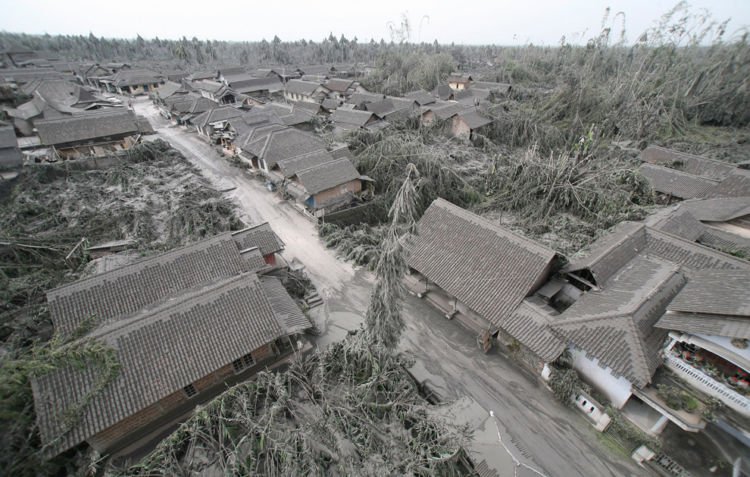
{"x": 383, "y": 321}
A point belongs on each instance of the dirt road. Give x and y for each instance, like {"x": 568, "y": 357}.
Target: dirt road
{"x": 538, "y": 431}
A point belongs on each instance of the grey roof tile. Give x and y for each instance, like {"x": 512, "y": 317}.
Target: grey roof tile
{"x": 689, "y": 163}
{"x": 86, "y": 127}
{"x": 531, "y": 327}
{"x": 611, "y": 251}
{"x": 615, "y": 324}
{"x": 691, "y": 256}
{"x": 285, "y": 308}
{"x": 737, "y": 184}
{"x": 261, "y": 236}
{"x": 725, "y": 241}
{"x": 487, "y": 267}
{"x": 160, "y": 350}
{"x": 290, "y": 167}
{"x": 715, "y": 292}
{"x": 111, "y": 295}
{"x": 327, "y": 175}
{"x": 683, "y": 224}
{"x": 353, "y": 117}
{"x": 706, "y": 324}
{"x": 720, "y": 209}
{"x": 676, "y": 183}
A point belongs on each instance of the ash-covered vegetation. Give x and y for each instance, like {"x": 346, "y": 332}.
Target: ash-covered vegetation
{"x": 559, "y": 162}
{"x": 345, "y": 410}
{"x": 152, "y": 196}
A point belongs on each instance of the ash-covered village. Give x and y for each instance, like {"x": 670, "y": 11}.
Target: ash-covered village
{"x": 376, "y": 257}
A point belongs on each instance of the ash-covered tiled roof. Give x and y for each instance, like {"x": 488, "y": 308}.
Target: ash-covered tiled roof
{"x": 261, "y": 236}
{"x": 737, "y": 184}
{"x": 676, "y": 183}
{"x": 254, "y": 85}
{"x": 160, "y": 350}
{"x": 473, "y": 119}
{"x": 531, "y": 327}
{"x": 283, "y": 144}
{"x": 86, "y": 127}
{"x": 728, "y": 242}
{"x": 353, "y": 117}
{"x": 306, "y": 88}
{"x": 135, "y": 77}
{"x": 168, "y": 89}
{"x": 7, "y": 137}
{"x": 109, "y": 296}
{"x": 616, "y": 324}
{"x": 290, "y": 167}
{"x": 485, "y": 266}
{"x": 689, "y": 163}
{"x": 327, "y": 175}
{"x": 683, "y": 224}
{"x": 421, "y": 96}
{"x": 364, "y": 97}
{"x": 720, "y": 209}
{"x": 339, "y": 85}
{"x": 691, "y": 256}
{"x": 254, "y": 259}
{"x": 447, "y": 111}
{"x": 221, "y": 113}
{"x": 714, "y": 302}
{"x": 715, "y": 292}
{"x": 706, "y": 324}
{"x": 286, "y": 310}
{"x": 611, "y": 251}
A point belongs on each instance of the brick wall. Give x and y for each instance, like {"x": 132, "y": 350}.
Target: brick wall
{"x": 332, "y": 194}
{"x": 106, "y": 438}
{"x": 112, "y": 435}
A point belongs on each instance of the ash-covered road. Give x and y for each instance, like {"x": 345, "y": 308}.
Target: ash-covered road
{"x": 538, "y": 430}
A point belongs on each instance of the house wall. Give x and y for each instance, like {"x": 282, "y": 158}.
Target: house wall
{"x": 263, "y": 166}
{"x": 459, "y": 128}
{"x": 270, "y": 259}
{"x": 139, "y": 89}
{"x": 330, "y": 195}
{"x": 107, "y": 438}
{"x": 617, "y": 390}
{"x": 428, "y": 118}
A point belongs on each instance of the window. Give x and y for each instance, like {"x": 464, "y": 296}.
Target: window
{"x": 243, "y": 363}
{"x": 190, "y": 390}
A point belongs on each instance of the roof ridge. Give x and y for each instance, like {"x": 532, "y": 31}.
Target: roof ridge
{"x": 631, "y": 309}
{"x": 743, "y": 263}
{"x": 638, "y": 226}
{"x": 195, "y": 245}
{"x": 472, "y": 217}
{"x": 327, "y": 163}
{"x": 640, "y": 352}
{"x": 184, "y": 299}
{"x": 250, "y": 227}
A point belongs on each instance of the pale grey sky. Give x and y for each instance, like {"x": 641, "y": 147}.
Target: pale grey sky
{"x": 505, "y": 22}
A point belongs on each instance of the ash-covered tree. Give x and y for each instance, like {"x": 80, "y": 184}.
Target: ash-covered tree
{"x": 383, "y": 321}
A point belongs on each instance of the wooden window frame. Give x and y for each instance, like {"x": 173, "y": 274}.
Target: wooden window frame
{"x": 241, "y": 364}
{"x": 190, "y": 390}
